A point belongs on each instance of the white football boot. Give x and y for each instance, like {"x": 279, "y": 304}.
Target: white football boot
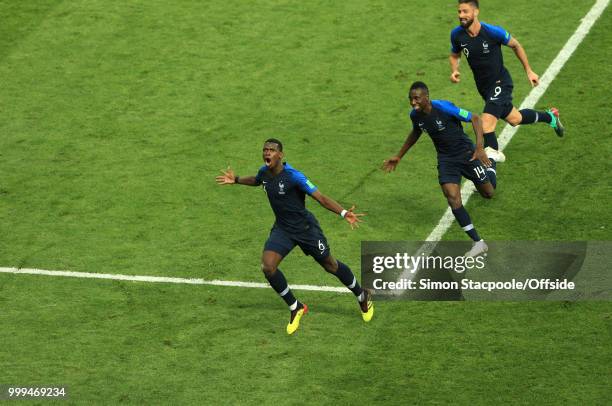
{"x": 479, "y": 248}
{"x": 498, "y": 156}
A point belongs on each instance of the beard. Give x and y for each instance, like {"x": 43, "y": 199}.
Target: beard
{"x": 466, "y": 24}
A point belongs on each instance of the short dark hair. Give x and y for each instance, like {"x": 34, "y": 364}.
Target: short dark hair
{"x": 472, "y": 2}
{"x": 419, "y": 85}
{"x": 275, "y": 141}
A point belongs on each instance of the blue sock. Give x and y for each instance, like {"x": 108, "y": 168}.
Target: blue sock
{"x": 348, "y": 279}
{"x": 490, "y": 140}
{"x": 492, "y": 173}
{"x": 532, "y": 116}
{"x": 279, "y": 284}
{"x": 463, "y": 218}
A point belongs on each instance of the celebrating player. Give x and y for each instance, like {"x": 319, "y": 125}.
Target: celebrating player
{"x": 286, "y": 189}
{"x": 457, "y": 155}
{"x": 481, "y": 44}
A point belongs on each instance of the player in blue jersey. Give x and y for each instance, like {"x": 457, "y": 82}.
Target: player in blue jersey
{"x": 457, "y": 155}
{"x": 481, "y": 44}
{"x": 286, "y": 188}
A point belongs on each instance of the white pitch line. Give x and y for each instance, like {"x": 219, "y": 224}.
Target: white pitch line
{"x": 532, "y": 98}
{"x": 163, "y": 279}
{"x": 443, "y": 225}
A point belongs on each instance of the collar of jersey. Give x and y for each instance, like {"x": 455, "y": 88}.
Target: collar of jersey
{"x": 285, "y": 167}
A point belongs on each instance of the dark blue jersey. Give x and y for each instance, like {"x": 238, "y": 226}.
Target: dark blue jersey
{"x": 287, "y": 194}
{"x": 443, "y": 124}
{"x": 484, "y": 54}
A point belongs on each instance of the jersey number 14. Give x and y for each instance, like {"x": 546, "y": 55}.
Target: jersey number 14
{"x": 481, "y": 174}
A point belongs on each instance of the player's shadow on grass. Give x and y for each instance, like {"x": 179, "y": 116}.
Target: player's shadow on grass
{"x": 268, "y": 307}
{"x": 350, "y": 309}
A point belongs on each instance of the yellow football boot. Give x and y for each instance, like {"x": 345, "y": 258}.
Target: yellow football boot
{"x": 296, "y": 315}
{"x": 367, "y": 306}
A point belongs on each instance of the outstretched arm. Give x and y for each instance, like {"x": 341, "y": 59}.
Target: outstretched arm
{"x": 331, "y": 205}
{"x": 479, "y": 153}
{"x": 454, "y": 60}
{"x": 390, "y": 164}
{"x": 518, "y": 49}
{"x": 230, "y": 178}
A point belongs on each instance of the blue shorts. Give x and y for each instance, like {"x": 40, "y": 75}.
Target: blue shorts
{"x": 312, "y": 242}
{"x": 498, "y": 99}
{"x": 452, "y": 171}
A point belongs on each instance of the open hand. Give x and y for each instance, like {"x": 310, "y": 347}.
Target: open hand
{"x": 228, "y": 177}
{"x": 481, "y": 155}
{"x": 353, "y": 218}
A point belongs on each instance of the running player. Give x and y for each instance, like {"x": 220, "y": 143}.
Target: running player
{"x": 481, "y": 44}
{"x": 457, "y": 155}
{"x": 286, "y": 189}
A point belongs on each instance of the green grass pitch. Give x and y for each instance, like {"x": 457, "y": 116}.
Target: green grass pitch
{"x": 117, "y": 115}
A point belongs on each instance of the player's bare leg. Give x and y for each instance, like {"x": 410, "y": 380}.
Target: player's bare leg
{"x": 270, "y": 261}
{"x": 514, "y": 118}
{"x": 486, "y": 190}
{"x": 452, "y": 192}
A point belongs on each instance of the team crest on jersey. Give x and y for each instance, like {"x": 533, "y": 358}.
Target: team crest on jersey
{"x": 440, "y": 125}
{"x": 485, "y": 47}
{"x": 281, "y": 188}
